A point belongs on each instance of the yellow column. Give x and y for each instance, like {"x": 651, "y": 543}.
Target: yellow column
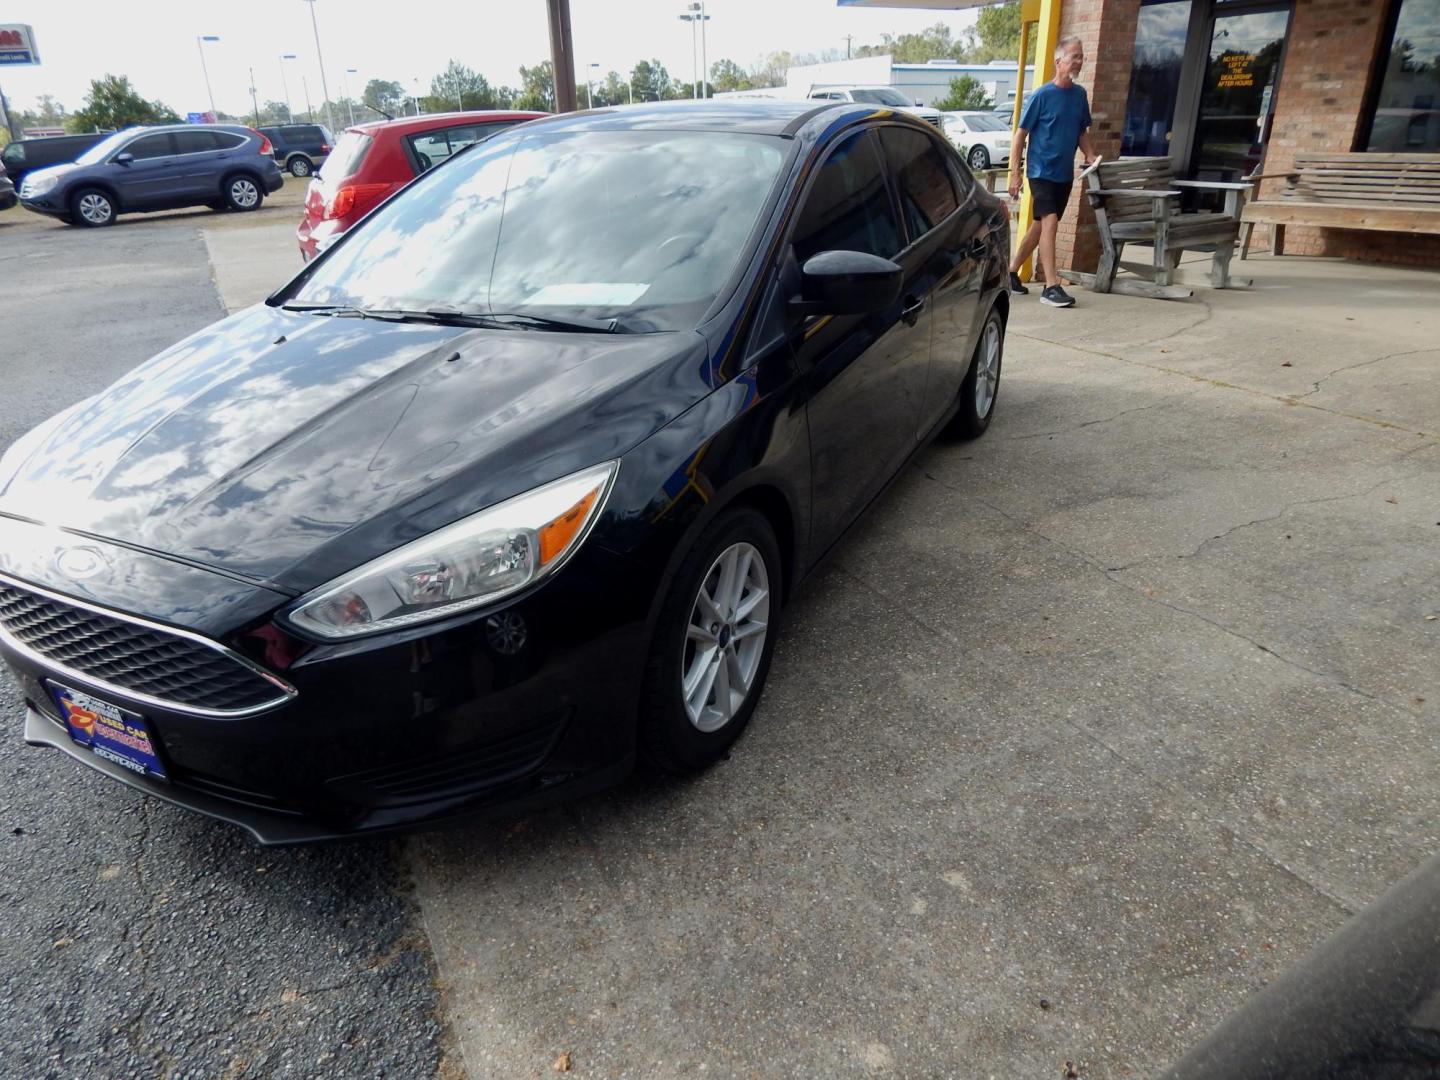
{"x": 1046, "y": 14}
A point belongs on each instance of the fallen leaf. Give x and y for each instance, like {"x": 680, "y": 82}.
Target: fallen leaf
{"x": 1431, "y": 618}
{"x": 60, "y": 943}
{"x": 1287, "y": 364}
{"x": 1418, "y": 701}
{"x": 1392, "y": 500}
{"x": 109, "y": 873}
{"x": 1070, "y": 1073}
{"x": 289, "y": 997}
{"x": 1164, "y": 350}
{"x": 563, "y": 1062}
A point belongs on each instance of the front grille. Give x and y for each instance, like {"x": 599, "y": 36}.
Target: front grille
{"x": 136, "y": 658}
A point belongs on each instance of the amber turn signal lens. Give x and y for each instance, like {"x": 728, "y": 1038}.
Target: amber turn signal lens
{"x": 556, "y": 535}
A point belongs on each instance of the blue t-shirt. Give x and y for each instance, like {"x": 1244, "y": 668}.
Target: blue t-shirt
{"x": 1055, "y": 119}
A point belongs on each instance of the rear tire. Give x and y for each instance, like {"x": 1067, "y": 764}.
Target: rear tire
{"x": 300, "y": 166}
{"x": 243, "y": 192}
{"x": 981, "y": 386}
{"x": 979, "y": 158}
{"x": 713, "y": 641}
{"x": 91, "y": 208}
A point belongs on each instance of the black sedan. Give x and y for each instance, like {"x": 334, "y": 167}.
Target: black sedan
{"x": 512, "y": 484}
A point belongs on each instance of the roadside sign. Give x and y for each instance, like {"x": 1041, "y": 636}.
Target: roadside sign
{"x": 199, "y": 118}
{"x": 17, "y": 45}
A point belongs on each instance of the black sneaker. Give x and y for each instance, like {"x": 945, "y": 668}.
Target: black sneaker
{"x": 1017, "y": 287}
{"x": 1055, "y": 296}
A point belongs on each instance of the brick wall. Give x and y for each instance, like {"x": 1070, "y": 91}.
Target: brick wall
{"x": 1107, "y": 28}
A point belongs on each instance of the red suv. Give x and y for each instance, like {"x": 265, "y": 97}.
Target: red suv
{"x": 373, "y": 160}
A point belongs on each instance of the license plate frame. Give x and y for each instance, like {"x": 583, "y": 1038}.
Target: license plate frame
{"x": 112, "y": 733}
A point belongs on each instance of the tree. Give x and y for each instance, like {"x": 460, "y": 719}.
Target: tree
{"x": 385, "y": 96}
{"x": 458, "y": 87}
{"x": 650, "y": 81}
{"x": 112, "y": 104}
{"x": 996, "y": 35}
{"x": 935, "y": 43}
{"x": 537, "y": 88}
{"x": 613, "y": 91}
{"x": 772, "y": 70}
{"x": 965, "y": 93}
{"x": 728, "y": 75}
{"x": 274, "y": 112}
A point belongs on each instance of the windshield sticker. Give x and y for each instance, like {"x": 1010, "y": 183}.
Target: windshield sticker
{"x": 588, "y": 294}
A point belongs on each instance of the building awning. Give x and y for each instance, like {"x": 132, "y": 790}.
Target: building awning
{"x": 919, "y": 5}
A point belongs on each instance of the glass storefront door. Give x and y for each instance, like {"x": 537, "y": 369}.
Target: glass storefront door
{"x": 1155, "y": 77}
{"x": 1237, "y": 95}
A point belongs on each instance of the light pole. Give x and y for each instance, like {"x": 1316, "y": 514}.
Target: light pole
{"x": 694, "y": 80}
{"x": 589, "y": 97}
{"x": 286, "y": 84}
{"x": 254, "y": 101}
{"x": 309, "y": 111}
{"x": 349, "y": 101}
{"x": 693, "y": 15}
{"x": 200, "y": 45}
{"x": 330, "y": 120}
{"x": 704, "y": 61}
{"x": 415, "y": 93}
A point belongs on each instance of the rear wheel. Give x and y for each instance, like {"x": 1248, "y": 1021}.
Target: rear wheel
{"x": 92, "y": 208}
{"x": 979, "y": 158}
{"x": 713, "y": 642}
{"x": 982, "y": 381}
{"x": 242, "y": 193}
{"x": 300, "y": 166}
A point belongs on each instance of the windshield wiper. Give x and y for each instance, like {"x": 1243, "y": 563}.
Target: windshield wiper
{"x": 343, "y": 311}
{"x": 442, "y": 313}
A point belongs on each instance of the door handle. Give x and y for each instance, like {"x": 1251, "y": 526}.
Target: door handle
{"x": 911, "y": 314}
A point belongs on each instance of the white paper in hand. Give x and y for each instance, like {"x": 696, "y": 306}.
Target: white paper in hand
{"x": 1090, "y": 168}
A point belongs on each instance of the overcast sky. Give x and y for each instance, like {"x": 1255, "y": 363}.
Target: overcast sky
{"x": 153, "y": 41}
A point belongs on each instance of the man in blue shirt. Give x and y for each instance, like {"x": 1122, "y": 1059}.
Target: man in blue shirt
{"x": 1056, "y": 120}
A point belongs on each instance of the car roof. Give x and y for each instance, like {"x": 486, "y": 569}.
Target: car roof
{"x": 406, "y": 124}
{"x": 759, "y": 116}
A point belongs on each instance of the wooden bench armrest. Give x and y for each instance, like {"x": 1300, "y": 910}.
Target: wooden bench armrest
{"x": 1291, "y": 176}
{"x": 1211, "y": 185}
{"x": 1138, "y": 192}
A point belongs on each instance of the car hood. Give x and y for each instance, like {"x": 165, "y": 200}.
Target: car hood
{"x": 34, "y": 176}
{"x": 289, "y": 448}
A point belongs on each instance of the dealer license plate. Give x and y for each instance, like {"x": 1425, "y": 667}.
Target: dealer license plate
{"x": 115, "y": 734}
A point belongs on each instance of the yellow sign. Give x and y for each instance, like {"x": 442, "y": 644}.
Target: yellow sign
{"x": 1236, "y": 71}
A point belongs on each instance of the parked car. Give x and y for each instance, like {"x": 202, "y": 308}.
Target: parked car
{"x": 26, "y": 155}
{"x": 513, "y": 482}
{"x": 889, "y": 96}
{"x": 374, "y": 160}
{"x": 299, "y": 148}
{"x": 8, "y": 198}
{"x": 157, "y": 168}
{"x": 984, "y": 137}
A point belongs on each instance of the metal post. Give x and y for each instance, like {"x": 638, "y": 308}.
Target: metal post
{"x": 254, "y": 101}
{"x": 10, "y": 121}
{"x": 285, "y": 82}
{"x": 200, "y": 45}
{"x": 349, "y": 101}
{"x": 562, "y": 55}
{"x": 324, "y": 86}
{"x": 1046, "y": 14}
{"x": 704, "y": 60}
{"x": 309, "y": 111}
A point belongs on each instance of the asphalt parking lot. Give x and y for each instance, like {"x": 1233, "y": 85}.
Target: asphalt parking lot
{"x": 1093, "y": 727}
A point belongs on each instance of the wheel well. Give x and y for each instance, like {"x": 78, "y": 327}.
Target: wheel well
{"x": 298, "y": 153}
{"x": 770, "y": 502}
{"x": 1002, "y": 305}
{"x": 98, "y": 185}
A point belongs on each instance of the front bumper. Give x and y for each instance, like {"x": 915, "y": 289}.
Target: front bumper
{"x": 8, "y": 199}
{"x": 495, "y": 713}
{"x": 45, "y": 204}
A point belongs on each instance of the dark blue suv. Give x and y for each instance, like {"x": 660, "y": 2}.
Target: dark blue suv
{"x": 223, "y": 166}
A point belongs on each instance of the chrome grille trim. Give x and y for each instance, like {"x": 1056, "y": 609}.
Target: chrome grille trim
{"x": 286, "y": 691}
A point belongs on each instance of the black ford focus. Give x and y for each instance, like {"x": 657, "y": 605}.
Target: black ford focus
{"x": 511, "y": 485}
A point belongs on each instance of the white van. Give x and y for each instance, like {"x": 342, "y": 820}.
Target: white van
{"x": 886, "y": 96}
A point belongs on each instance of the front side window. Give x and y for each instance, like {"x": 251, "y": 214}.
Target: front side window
{"x": 1407, "y": 108}
{"x": 927, "y": 196}
{"x": 848, "y": 207}
{"x": 151, "y": 146}
{"x": 643, "y": 227}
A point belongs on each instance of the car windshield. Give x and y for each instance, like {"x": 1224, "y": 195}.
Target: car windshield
{"x": 106, "y": 146}
{"x": 882, "y": 95}
{"x": 640, "y": 227}
{"x": 984, "y": 122}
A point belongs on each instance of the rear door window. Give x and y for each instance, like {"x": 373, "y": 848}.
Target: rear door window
{"x": 151, "y": 146}
{"x": 194, "y": 142}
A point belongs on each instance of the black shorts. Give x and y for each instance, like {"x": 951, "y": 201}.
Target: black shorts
{"x": 1048, "y": 197}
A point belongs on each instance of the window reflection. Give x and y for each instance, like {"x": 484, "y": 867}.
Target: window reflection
{"x": 1155, "y": 78}
{"x": 1407, "y": 110}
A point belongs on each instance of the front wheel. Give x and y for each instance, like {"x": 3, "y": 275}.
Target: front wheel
{"x": 713, "y": 642}
{"x": 242, "y": 193}
{"x": 982, "y": 382}
{"x": 979, "y": 158}
{"x": 92, "y": 208}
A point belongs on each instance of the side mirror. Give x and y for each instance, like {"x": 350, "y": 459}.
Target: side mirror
{"x": 847, "y": 283}
{"x": 124, "y": 159}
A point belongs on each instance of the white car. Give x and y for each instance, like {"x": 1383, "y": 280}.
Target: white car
{"x": 983, "y": 136}
{"x": 887, "y": 96}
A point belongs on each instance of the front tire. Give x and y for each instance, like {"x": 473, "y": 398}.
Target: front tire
{"x": 91, "y": 208}
{"x": 979, "y": 158}
{"x": 981, "y": 385}
{"x": 300, "y": 166}
{"x": 713, "y": 641}
{"x": 243, "y": 193}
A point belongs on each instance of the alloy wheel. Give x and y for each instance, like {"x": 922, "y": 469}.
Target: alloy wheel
{"x": 987, "y": 369}
{"x": 979, "y": 158}
{"x": 299, "y": 167}
{"x": 725, "y": 637}
{"x": 244, "y": 193}
{"x": 95, "y": 208}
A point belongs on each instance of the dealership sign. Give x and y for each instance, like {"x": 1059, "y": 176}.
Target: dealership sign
{"x": 17, "y": 45}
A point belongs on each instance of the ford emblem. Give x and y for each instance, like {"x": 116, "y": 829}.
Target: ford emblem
{"x": 78, "y": 563}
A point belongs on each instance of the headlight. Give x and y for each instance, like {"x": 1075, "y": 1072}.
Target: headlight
{"x": 35, "y": 188}
{"x": 474, "y": 562}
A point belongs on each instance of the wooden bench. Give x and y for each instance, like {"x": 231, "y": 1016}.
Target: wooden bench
{"x": 1383, "y": 192}
{"x": 1137, "y": 200}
